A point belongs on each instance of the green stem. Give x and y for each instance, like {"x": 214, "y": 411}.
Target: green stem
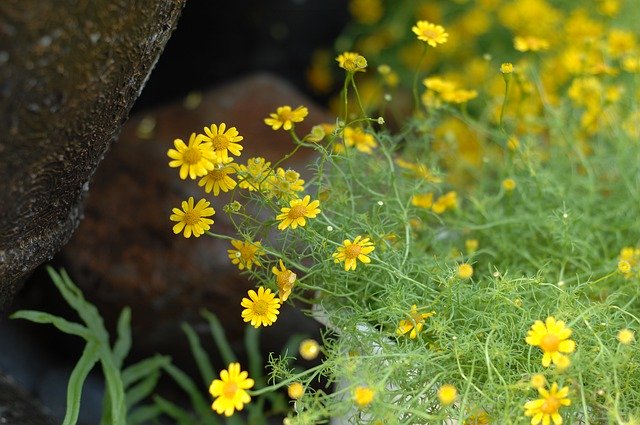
{"x": 416, "y": 98}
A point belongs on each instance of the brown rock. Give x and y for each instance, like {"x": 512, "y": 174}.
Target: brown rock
{"x": 125, "y": 253}
{"x": 69, "y": 73}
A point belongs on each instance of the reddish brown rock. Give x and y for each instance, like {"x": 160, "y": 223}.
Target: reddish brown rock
{"x": 125, "y": 253}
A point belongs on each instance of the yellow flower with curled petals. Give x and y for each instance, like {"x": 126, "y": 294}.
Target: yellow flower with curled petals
{"x": 352, "y": 62}
{"x": 285, "y": 280}
{"x": 415, "y": 324}
{"x": 218, "y": 179}
{"x": 245, "y": 254}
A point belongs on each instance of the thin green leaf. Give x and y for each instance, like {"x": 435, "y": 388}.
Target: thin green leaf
{"x": 252, "y": 344}
{"x": 178, "y": 414}
{"x": 198, "y": 402}
{"x": 62, "y": 324}
{"x": 143, "y": 368}
{"x": 115, "y": 387}
{"x": 217, "y": 331}
{"x": 123, "y": 343}
{"x": 143, "y": 414}
{"x": 76, "y": 381}
{"x": 202, "y": 359}
{"x": 142, "y": 389}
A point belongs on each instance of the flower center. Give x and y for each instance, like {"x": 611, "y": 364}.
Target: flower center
{"x": 191, "y": 217}
{"x": 551, "y": 405}
{"x": 230, "y": 389}
{"x": 417, "y": 318}
{"x": 260, "y": 307}
{"x": 352, "y": 251}
{"x": 191, "y": 156}
{"x": 285, "y": 116}
{"x": 217, "y": 175}
{"x": 430, "y": 33}
{"x": 297, "y": 211}
{"x": 220, "y": 142}
{"x": 246, "y": 252}
{"x": 350, "y": 65}
{"x": 550, "y": 343}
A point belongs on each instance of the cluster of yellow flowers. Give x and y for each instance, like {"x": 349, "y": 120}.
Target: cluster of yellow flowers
{"x": 629, "y": 262}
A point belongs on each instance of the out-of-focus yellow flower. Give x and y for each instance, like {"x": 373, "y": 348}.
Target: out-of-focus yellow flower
{"x": 309, "y": 349}
{"x": 363, "y": 396}
{"x": 530, "y": 44}
{"x": 447, "y": 394}
{"x": 366, "y": 11}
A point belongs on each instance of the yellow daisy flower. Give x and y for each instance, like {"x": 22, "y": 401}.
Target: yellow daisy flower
{"x": 295, "y": 390}
{"x": 245, "y": 253}
{"x": 230, "y": 390}
{"x": 261, "y": 308}
{"x": 422, "y": 200}
{"x": 357, "y": 137}
{"x": 349, "y": 252}
{"x": 218, "y": 179}
{"x": 223, "y": 140}
{"x": 415, "y": 324}
{"x": 295, "y": 215}
{"x": 252, "y": 175}
{"x": 192, "y": 219}
{"x": 285, "y": 117}
{"x": 553, "y": 338}
{"x": 285, "y": 279}
{"x": 465, "y": 271}
{"x": 626, "y": 336}
{"x": 363, "y": 396}
{"x": 506, "y": 68}
{"x": 194, "y": 159}
{"x": 545, "y": 409}
{"x": 352, "y": 62}
{"x": 430, "y": 33}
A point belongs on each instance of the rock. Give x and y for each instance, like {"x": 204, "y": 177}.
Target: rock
{"x": 125, "y": 253}
{"x": 18, "y": 408}
{"x": 69, "y": 73}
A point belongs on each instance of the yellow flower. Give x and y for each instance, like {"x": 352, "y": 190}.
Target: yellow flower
{"x": 465, "y": 271}
{"x": 459, "y": 96}
{"x": 415, "y": 324}
{"x": 509, "y": 184}
{"x": 471, "y": 245}
{"x": 223, "y": 140}
{"x": 422, "y": 200}
{"x": 230, "y": 390}
{"x": 626, "y": 336}
{"x": 192, "y": 220}
{"x": 624, "y": 267}
{"x": 252, "y": 175}
{"x": 447, "y": 394}
{"x": 349, "y": 252}
{"x": 364, "y": 142}
{"x": 295, "y": 390}
{"x": 261, "y": 308}
{"x": 295, "y": 215}
{"x": 285, "y": 117}
{"x": 284, "y": 184}
{"x": 430, "y": 33}
{"x": 553, "y": 339}
{"x": 352, "y": 62}
{"x": 285, "y": 279}
{"x": 418, "y": 170}
{"x": 513, "y": 144}
{"x": 194, "y": 160}
{"x": 530, "y": 44}
{"x": 245, "y": 253}
{"x": 363, "y": 396}
{"x": 447, "y": 201}
{"x": 478, "y": 418}
{"x": 218, "y": 179}
{"x": 506, "y": 68}
{"x": 439, "y": 85}
{"x": 538, "y": 381}
{"x": 545, "y": 409}
{"x": 309, "y": 349}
